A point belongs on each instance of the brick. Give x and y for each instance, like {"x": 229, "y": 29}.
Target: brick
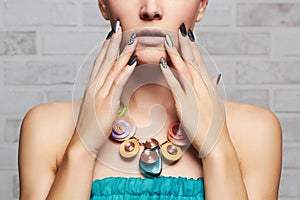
{"x": 12, "y": 130}
{"x": 235, "y": 43}
{"x": 290, "y": 185}
{"x": 286, "y": 43}
{"x": 267, "y": 72}
{"x": 217, "y": 15}
{"x": 59, "y": 96}
{"x": 8, "y": 187}
{"x": 287, "y": 100}
{"x": 289, "y": 198}
{"x": 40, "y": 13}
{"x": 1, "y": 13}
{"x": 268, "y": 14}
{"x": 92, "y": 16}
{"x": 8, "y": 156}
{"x": 291, "y": 157}
{"x": 76, "y": 43}
{"x": 2, "y": 130}
{"x": 1, "y": 73}
{"x": 18, "y": 102}
{"x": 290, "y": 128}
{"x": 17, "y": 43}
{"x": 249, "y": 96}
{"x": 15, "y": 186}
{"x": 43, "y": 72}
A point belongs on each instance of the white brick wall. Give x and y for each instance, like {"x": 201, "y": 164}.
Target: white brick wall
{"x": 23, "y": 13}
{"x": 17, "y": 43}
{"x": 256, "y": 45}
{"x": 73, "y": 42}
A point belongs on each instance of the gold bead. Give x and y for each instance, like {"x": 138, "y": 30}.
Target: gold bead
{"x": 129, "y": 148}
{"x": 171, "y": 152}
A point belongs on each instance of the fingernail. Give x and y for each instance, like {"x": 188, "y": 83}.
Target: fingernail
{"x": 132, "y": 60}
{"x": 169, "y": 41}
{"x": 110, "y": 33}
{"x": 182, "y": 29}
{"x": 117, "y": 26}
{"x": 132, "y": 38}
{"x": 219, "y": 78}
{"x": 191, "y": 35}
{"x": 163, "y": 62}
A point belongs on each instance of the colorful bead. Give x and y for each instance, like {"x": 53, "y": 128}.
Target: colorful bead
{"x": 150, "y": 163}
{"x": 122, "y": 129}
{"x": 149, "y": 156}
{"x": 129, "y": 148}
{"x": 176, "y": 135}
{"x": 176, "y": 131}
{"x": 171, "y": 152}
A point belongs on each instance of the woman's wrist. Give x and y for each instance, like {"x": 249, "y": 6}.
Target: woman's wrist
{"x": 77, "y": 151}
{"x": 223, "y": 149}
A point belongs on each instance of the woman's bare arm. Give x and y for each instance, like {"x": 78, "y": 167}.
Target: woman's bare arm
{"x": 74, "y": 177}
{"x": 258, "y": 165}
{"x": 222, "y": 175}
{"x": 261, "y": 153}
{"x": 45, "y": 133}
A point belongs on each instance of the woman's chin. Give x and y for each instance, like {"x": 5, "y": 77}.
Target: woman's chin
{"x": 149, "y": 55}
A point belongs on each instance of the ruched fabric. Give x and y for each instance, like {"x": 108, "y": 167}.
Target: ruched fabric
{"x": 162, "y": 188}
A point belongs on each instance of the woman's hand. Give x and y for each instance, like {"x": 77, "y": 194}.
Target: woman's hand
{"x": 101, "y": 99}
{"x": 200, "y": 110}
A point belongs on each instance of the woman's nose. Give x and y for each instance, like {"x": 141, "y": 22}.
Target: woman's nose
{"x": 151, "y": 10}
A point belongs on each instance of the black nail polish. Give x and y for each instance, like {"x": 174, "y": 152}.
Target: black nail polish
{"x": 191, "y": 35}
{"x": 182, "y": 29}
{"x": 132, "y": 60}
{"x": 109, "y": 35}
{"x": 219, "y": 78}
{"x": 163, "y": 62}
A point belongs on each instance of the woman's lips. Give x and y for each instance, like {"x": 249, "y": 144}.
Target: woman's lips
{"x": 150, "y": 41}
{"x": 150, "y": 37}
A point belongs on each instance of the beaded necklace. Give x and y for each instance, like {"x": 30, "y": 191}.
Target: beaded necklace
{"x": 150, "y": 161}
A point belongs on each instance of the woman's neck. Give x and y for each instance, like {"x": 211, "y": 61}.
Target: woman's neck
{"x": 151, "y": 99}
{"x": 152, "y": 109}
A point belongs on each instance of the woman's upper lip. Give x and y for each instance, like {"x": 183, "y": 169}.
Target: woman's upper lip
{"x": 151, "y": 33}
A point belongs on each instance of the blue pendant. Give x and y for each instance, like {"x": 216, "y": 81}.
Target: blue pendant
{"x": 150, "y": 162}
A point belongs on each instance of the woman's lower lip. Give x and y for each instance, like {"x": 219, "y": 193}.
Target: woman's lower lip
{"x": 150, "y": 40}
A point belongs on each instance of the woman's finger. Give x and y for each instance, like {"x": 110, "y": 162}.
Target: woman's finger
{"x": 114, "y": 46}
{"x": 189, "y": 76}
{"x": 173, "y": 83}
{"x": 119, "y": 82}
{"x": 176, "y": 60}
{"x": 110, "y": 55}
{"x": 199, "y": 61}
{"x": 100, "y": 56}
{"x": 114, "y": 71}
{"x": 185, "y": 47}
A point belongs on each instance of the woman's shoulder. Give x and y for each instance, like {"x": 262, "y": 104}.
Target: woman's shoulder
{"x": 48, "y": 128}
{"x": 57, "y": 114}
{"x": 255, "y": 131}
{"x": 247, "y": 116}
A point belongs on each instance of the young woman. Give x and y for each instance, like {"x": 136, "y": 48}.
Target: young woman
{"x": 240, "y": 150}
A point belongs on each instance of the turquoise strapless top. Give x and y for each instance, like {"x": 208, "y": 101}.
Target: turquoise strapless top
{"x": 162, "y": 188}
